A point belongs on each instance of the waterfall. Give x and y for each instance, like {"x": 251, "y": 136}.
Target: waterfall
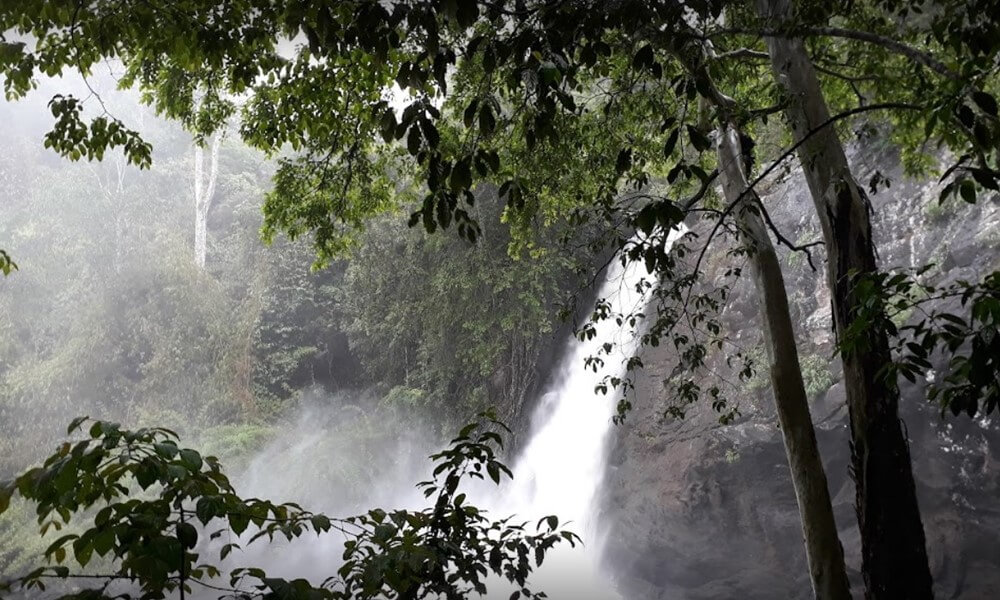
{"x": 561, "y": 467}
{"x": 558, "y": 472}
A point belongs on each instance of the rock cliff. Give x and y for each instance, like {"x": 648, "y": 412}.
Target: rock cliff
{"x": 699, "y": 510}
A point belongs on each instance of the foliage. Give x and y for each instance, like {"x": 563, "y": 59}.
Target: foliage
{"x": 121, "y": 323}
{"x": 467, "y": 326}
{"x": 550, "y": 60}
{"x": 152, "y": 537}
{"x": 757, "y": 360}
{"x": 967, "y": 334}
{"x": 232, "y": 442}
{"x": 622, "y": 95}
{"x": 816, "y": 374}
{"x": 7, "y": 266}
{"x": 530, "y": 96}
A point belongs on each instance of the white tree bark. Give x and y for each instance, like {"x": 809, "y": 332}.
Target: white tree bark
{"x": 824, "y": 553}
{"x": 893, "y": 547}
{"x": 112, "y": 186}
{"x": 204, "y": 193}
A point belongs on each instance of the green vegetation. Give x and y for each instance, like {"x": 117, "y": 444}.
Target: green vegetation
{"x": 600, "y": 126}
{"x": 125, "y": 323}
{"x": 758, "y": 381}
{"x": 816, "y": 374}
{"x": 142, "y": 498}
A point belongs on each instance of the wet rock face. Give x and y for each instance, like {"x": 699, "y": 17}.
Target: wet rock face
{"x": 699, "y": 510}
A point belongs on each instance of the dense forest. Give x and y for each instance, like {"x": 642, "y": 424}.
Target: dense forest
{"x": 264, "y": 258}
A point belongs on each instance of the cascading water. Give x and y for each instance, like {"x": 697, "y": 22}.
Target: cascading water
{"x": 562, "y": 465}
{"x": 559, "y": 471}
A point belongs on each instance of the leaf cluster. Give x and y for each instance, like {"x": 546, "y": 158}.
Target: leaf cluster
{"x": 957, "y": 324}
{"x": 149, "y": 504}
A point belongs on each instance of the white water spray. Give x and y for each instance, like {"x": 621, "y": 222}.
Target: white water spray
{"x": 559, "y": 471}
{"x": 561, "y": 468}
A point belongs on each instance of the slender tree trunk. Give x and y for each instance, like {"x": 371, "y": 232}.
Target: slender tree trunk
{"x": 824, "y": 553}
{"x": 819, "y": 530}
{"x": 894, "y": 557}
{"x": 119, "y": 200}
{"x": 204, "y": 192}
{"x": 113, "y": 189}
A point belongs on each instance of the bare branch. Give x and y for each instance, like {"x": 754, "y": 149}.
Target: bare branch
{"x": 743, "y": 53}
{"x": 791, "y": 150}
{"x": 914, "y": 54}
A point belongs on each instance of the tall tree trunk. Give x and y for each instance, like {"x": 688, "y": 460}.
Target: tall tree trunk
{"x": 823, "y": 550}
{"x": 894, "y": 557}
{"x": 119, "y": 201}
{"x": 204, "y": 192}
{"x": 113, "y": 189}
{"x": 824, "y": 553}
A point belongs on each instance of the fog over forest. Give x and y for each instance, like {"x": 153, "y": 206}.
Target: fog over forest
{"x": 586, "y": 300}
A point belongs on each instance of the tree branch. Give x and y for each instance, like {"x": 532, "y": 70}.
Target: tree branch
{"x": 914, "y": 54}
{"x": 743, "y": 53}
{"x": 791, "y": 150}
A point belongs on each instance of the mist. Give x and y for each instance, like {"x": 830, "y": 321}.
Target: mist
{"x": 725, "y": 300}
{"x": 259, "y": 358}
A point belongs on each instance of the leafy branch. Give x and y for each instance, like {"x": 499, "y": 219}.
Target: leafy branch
{"x": 148, "y": 504}
{"x": 968, "y": 338}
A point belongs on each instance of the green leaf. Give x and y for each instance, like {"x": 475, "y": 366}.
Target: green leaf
{"x": 6, "y": 491}
{"x": 320, "y": 523}
{"x": 388, "y": 125}
{"x": 698, "y": 139}
{"x": 469, "y": 116}
{"x": 624, "y": 161}
{"x": 227, "y": 549}
{"x": 207, "y": 508}
{"x": 461, "y": 176}
{"x": 59, "y": 543}
{"x": 187, "y": 535}
{"x": 671, "y": 143}
{"x": 494, "y": 471}
{"x": 166, "y": 450}
{"x": 985, "y": 102}
{"x": 239, "y": 521}
{"x": 467, "y": 12}
{"x": 982, "y": 134}
{"x": 967, "y": 189}
{"x": 75, "y": 424}
{"x": 645, "y": 221}
{"x": 145, "y": 473}
{"x": 104, "y": 541}
{"x": 487, "y": 123}
{"x": 966, "y": 116}
{"x": 413, "y": 140}
{"x": 191, "y": 459}
{"x": 643, "y": 59}
{"x": 82, "y": 552}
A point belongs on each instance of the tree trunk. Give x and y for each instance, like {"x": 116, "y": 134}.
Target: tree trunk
{"x": 113, "y": 189}
{"x": 824, "y": 553}
{"x": 204, "y": 191}
{"x": 894, "y": 557}
{"x": 819, "y": 530}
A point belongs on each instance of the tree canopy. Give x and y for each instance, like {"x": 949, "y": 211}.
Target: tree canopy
{"x": 596, "y": 115}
